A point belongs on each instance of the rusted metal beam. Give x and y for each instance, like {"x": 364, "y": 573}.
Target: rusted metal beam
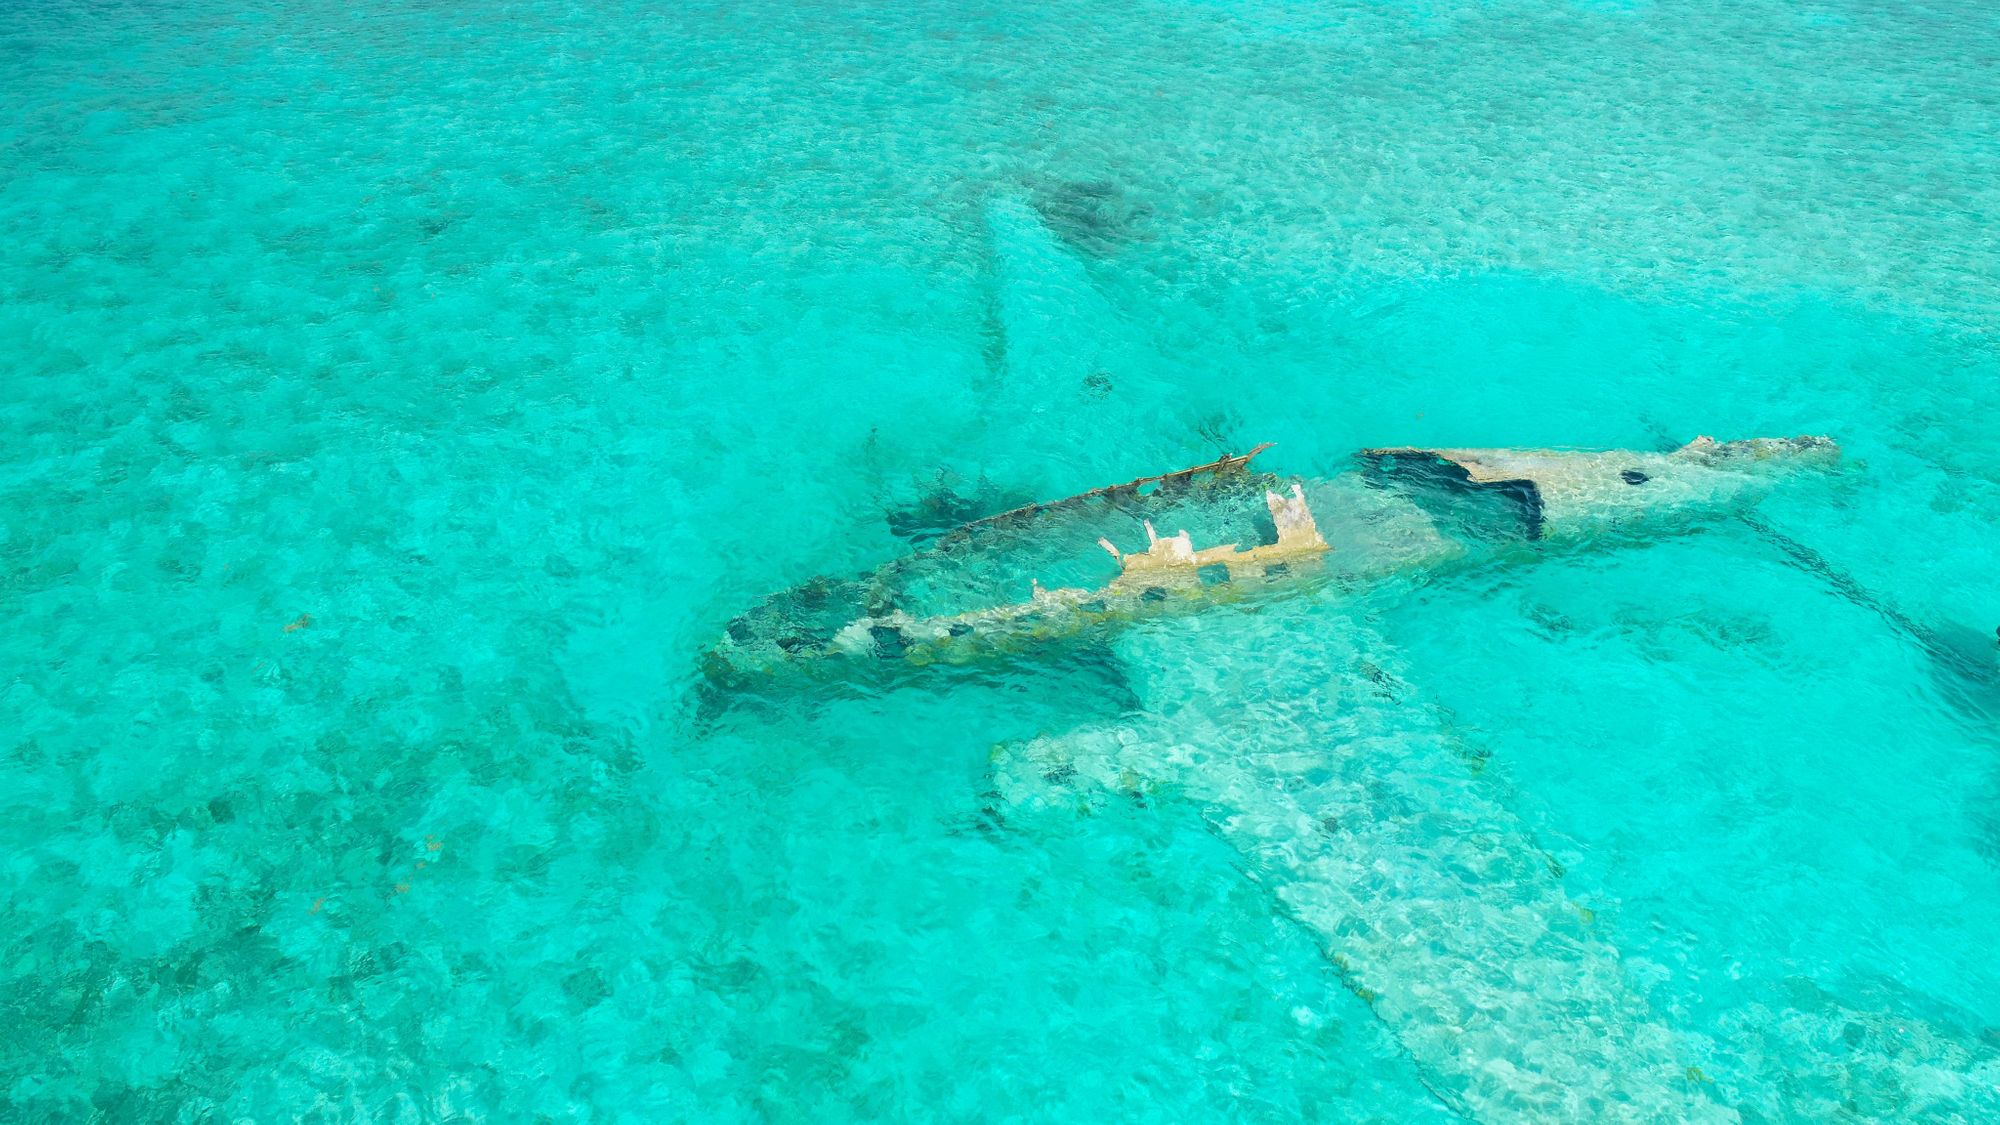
{"x": 1223, "y": 464}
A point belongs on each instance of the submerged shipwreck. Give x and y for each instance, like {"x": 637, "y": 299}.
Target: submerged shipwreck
{"x": 1360, "y": 806}
{"x": 1044, "y": 573}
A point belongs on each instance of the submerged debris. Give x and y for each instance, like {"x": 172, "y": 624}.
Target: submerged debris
{"x": 1559, "y": 493}
{"x": 945, "y": 504}
{"x": 1236, "y": 533}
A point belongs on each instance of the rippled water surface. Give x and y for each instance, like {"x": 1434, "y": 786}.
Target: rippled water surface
{"x": 397, "y": 401}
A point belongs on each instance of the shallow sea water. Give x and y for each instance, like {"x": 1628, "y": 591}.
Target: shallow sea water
{"x": 398, "y": 399}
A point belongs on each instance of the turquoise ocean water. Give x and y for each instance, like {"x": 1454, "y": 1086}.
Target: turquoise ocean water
{"x": 395, "y": 399}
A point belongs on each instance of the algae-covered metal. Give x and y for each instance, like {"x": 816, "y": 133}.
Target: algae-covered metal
{"x": 1037, "y": 574}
